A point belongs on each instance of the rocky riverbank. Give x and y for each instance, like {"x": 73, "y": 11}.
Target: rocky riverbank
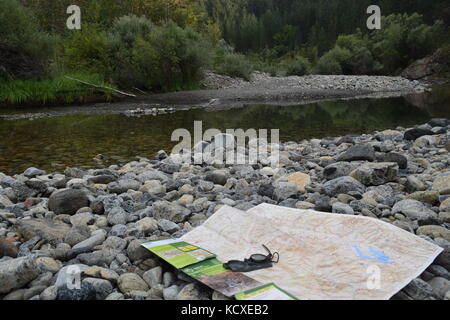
{"x": 91, "y": 222}
{"x": 223, "y": 92}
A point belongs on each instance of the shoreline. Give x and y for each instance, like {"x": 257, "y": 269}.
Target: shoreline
{"x": 96, "y": 219}
{"x": 235, "y": 93}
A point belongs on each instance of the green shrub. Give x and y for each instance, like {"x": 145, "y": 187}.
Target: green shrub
{"x": 166, "y": 58}
{"x": 25, "y": 51}
{"x": 299, "y": 66}
{"x": 333, "y": 61}
{"x": 87, "y": 49}
{"x": 403, "y": 39}
{"x": 127, "y": 29}
{"x": 235, "y": 65}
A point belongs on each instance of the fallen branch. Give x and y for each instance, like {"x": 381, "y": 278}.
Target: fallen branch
{"x": 102, "y": 87}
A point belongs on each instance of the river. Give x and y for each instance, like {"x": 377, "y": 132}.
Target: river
{"x": 53, "y": 143}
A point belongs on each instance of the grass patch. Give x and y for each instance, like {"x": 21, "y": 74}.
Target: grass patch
{"x": 53, "y": 90}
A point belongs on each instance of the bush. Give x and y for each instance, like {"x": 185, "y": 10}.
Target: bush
{"x": 124, "y": 36}
{"x": 235, "y": 65}
{"x": 25, "y": 51}
{"x": 127, "y": 29}
{"x": 172, "y": 57}
{"x": 333, "y": 61}
{"x": 88, "y": 49}
{"x": 403, "y": 39}
{"x": 299, "y": 66}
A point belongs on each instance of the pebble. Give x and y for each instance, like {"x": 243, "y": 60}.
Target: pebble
{"x": 86, "y": 226}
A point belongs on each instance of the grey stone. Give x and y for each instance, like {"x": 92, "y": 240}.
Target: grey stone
{"x": 49, "y": 294}
{"x": 131, "y": 282}
{"x": 69, "y": 274}
{"x": 414, "y": 134}
{"x": 168, "y": 226}
{"x": 115, "y": 296}
{"x": 86, "y": 291}
{"x": 169, "y": 167}
{"x": 419, "y": 290}
{"x": 359, "y": 152}
{"x": 136, "y": 252}
{"x": 191, "y": 292}
{"x": 219, "y": 177}
{"x": 117, "y": 216}
{"x": 170, "y": 211}
{"x": 398, "y": 158}
{"x": 67, "y": 201}
{"x": 284, "y": 190}
{"x": 338, "y": 169}
{"x": 170, "y": 293}
{"x": 153, "y": 277}
{"x": 415, "y": 210}
{"x": 147, "y": 225}
{"x": 342, "y": 208}
{"x": 33, "y": 172}
{"x": 440, "y": 286}
{"x": 77, "y": 234}
{"x": 122, "y": 186}
{"x": 118, "y": 230}
{"x": 375, "y": 174}
{"x": 16, "y": 273}
{"x": 343, "y": 185}
{"x": 97, "y": 238}
{"x": 102, "y": 287}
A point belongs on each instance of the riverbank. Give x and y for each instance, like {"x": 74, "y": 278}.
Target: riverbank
{"x": 96, "y": 219}
{"x": 223, "y": 92}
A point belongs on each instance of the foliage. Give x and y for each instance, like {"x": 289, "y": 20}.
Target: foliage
{"x": 235, "y": 65}
{"x": 333, "y": 61}
{"x": 25, "y": 51}
{"x": 87, "y": 49}
{"x": 298, "y": 66}
{"x": 58, "y": 89}
{"x": 171, "y": 58}
{"x": 403, "y": 39}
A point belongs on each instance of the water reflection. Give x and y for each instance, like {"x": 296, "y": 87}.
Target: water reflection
{"x": 54, "y": 143}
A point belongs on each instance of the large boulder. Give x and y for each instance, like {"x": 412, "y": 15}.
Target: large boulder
{"x": 375, "y": 174}
{"x": 338, "y": 169}
{"x": 16, "y": 273}
{"x": 415, "y": 210}
{"x": 434, "y": 232}
{"x": 284, "y": 190}
{"x": 68, "y": 201}
{"x": 358, "y": 152}
{"x": 398, "y": 158}
{"x": 219, "y": 177}
{"x": 415, "y": 133}
{"x": 170, "y": 211}
{"x": 442, "y": 184}
{"x": 8, "y": 249}
{"x": 301, "y": 180}
{"x": 131, "y": 282}
{"x": 421, "y": 68}
{"x": 122, "y": 186}
{"x": 343, "y": 185}
{"x": 43, "y": 228}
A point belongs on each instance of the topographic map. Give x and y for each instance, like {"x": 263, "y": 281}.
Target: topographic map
{"x": 322, "y": 255}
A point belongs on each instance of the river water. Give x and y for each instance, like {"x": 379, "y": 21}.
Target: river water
{"x": 53, "y": 143}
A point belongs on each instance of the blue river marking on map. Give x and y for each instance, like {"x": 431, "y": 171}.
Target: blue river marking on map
{"x": 376, "y": 255}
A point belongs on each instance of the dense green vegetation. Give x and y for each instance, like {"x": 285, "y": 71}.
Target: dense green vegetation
{"x": 163, "y": 45}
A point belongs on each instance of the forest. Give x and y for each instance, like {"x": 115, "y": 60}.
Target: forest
{"x": 145, "y": 46}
